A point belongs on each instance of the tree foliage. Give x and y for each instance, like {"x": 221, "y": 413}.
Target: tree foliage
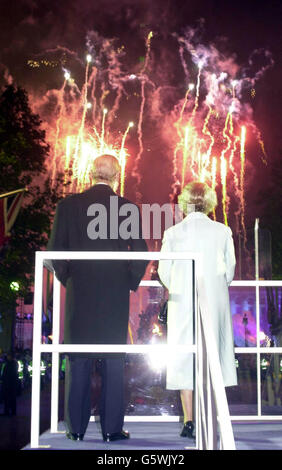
{"x": 23, "y": 149}
{"x": 23, "y": 156}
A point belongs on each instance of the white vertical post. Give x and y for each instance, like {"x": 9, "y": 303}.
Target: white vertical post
{"x": 55, "y": 356}
{"x": 201, "y": 429}
{"x": 215, "y": 372}
{"x": 258, "y": 350}
{"x": 199, "y": 383}
{"x": 256, "y": 250}
{"x": 36, "y": 356}
{"x": 256, "y": 229}
{"x": 209, "y": 409}
{"x": 196, "y": 362}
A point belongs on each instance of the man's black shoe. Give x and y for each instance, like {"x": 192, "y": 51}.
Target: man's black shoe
{"x": 116, "y": 436}
{"x": 74, "y": 436}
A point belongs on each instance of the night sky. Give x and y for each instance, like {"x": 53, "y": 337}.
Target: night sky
{"x": 57, "y": 34}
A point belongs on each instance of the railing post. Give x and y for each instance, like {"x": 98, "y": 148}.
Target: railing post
{"x": 55, "y": 356}
{"x": 209, "y": 408}
{"x": 256, "y": 235}
{"x": 201, "y": 424}
{"x": 196, "y": 360}
{"x": 36, "y": 355}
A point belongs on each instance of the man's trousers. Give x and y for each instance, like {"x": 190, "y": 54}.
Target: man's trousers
{"x": 78, "y": 394}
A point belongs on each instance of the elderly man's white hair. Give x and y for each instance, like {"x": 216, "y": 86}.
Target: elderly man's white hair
{"x": 106, "y": 168}
{"x": 198, "y": 197}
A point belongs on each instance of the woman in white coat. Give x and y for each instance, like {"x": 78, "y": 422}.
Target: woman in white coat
{"x": 213, "y": 240}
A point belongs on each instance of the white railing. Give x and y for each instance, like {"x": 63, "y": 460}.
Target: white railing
{"x": 258, "y": 349}
{"x": 210, "y": 398}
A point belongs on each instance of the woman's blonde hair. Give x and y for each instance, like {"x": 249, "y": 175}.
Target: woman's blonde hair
{"x": 198, "y": 197}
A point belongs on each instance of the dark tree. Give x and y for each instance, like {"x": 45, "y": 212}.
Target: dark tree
{"x": 23, "y": 153}
{"x": 23, "y": 149}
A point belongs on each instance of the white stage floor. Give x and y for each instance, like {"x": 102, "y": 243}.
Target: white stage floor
{"x": 163, "y": 436}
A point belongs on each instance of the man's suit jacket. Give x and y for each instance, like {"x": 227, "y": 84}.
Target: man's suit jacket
{"x": 97, "y": 292}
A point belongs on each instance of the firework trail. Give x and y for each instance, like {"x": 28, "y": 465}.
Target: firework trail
{"x": 200, "y": 65}
{"x": 123, "y": 159}
{"x": 115, "y": 75}
{"x": 213, "y": 179}
{"x": 143, "y": 80}
{"x": 207, "y": 132}
{"x": 58, "y": 123}
{"x": 178, "y": 126}
{"x": 242, "y": 174}
{"x": 225, "y": 150}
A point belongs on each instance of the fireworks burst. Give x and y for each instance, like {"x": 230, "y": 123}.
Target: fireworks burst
{"x": 209, "y": 141}
{"x": 84, "y": 126}
{"x": 207, "y": 130}
{"x": 78, "y": 139}
{"x": 210, "y": 121}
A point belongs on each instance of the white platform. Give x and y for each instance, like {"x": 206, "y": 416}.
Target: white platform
{"x": 163, "y": 436}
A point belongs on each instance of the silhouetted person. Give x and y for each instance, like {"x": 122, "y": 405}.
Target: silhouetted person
{"x": 97, "y": 293}
{"x": 10, "y": 385}
{"x": 197, "y": 233}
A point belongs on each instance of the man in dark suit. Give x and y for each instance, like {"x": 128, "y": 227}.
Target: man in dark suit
{"x": 97, "y": 293}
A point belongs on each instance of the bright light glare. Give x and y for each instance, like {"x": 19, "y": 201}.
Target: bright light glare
{"x": 158, "y": 360}
{"x": 262, "y": 335}
{"x": 14, "y": 286}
